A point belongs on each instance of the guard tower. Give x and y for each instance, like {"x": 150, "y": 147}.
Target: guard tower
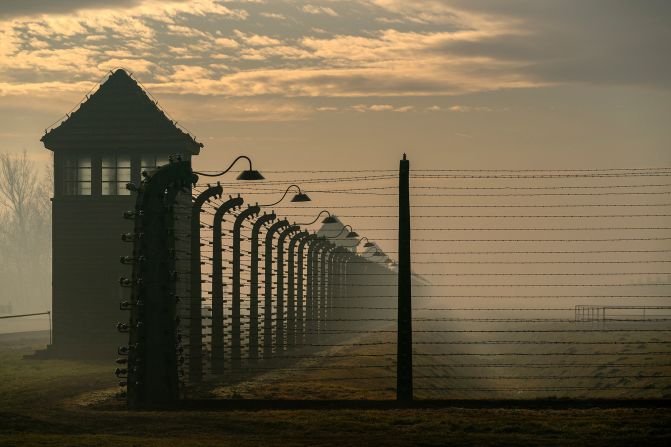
{"x": 114, "y": 135}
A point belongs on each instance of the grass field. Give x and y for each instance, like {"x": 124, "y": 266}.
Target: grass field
{"x": 69, "y": 403}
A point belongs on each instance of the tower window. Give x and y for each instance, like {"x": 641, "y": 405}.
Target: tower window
{"x": 115, "y": 175}
{"x": 150, "y": 162}
{"x": 77, "y": 176}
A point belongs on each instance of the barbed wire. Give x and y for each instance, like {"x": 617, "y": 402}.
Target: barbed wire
{"x": 375, "y": 206}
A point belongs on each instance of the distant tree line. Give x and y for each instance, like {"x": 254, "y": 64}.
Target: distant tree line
{"x": 25, "y": 233}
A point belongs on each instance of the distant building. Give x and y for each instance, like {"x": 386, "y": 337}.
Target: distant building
{"x": 114, "y": 135}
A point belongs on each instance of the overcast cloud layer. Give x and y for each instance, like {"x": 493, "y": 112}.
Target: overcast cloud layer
{"x": 531, "y": 77}
{"x": 334, "y": 48}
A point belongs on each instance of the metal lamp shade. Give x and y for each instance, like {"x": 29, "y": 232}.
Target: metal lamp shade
{"x": 250, "y": 174}
{"x": 301, "y": 197}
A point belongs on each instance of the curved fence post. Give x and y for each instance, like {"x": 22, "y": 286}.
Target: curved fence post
{"x": 279, "y": 309}
{"x": 325, "y": 278}
{"x": 303, "y": 286}
{"x": 236, "y": 346}
{"x": 196, "y": 294}
{"x": 152, "y": 364}
{"x": 313, "y": 286}
{"x": 217, "y": 351}
{"x": 254, "y": 287}
{"x": 292, "y": 285}
{"x": 268, "y": 302}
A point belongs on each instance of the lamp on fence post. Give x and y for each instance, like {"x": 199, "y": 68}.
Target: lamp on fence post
{"x": 254, "y": 286}
{"x": 217, "y": 351}
{"x": 291, "y": 285}
{"x": 195, "y": 312}
{"x": 333, "y": 276}
{"x": 279, "y": 306}
{"x": 304, "y": 308}
{"x": 247, "y": 175}
{"x": 300, "y": 196}
{"x": 326, "y": 219}
{"x": 236, "y": 347}
{"x": 350, "y": 234}
{"x": 368, "y": 243}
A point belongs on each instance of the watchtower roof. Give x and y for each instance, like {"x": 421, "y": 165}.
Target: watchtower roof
{"x": 120, "y": 116}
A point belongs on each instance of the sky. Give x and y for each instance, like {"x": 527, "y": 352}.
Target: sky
{"x": 355, "y": 83}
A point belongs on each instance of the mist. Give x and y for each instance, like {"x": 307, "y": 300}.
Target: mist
{"x": 25, "y": 240}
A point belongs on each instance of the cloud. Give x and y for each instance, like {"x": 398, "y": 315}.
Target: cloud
{"x": 426, "y": 48}
{"x": 273, "y": 15}
{"x": 139, "y": 66}
{"x": 427, "y": 12}
{"x": 381, "y": 108}
{"x": 256, "y": 40}
{"x": 10, "y": 9}
{"x": 185, "y": 31}
{"x": 218, "y": 109}
{"x": 388, "y": 45}
{"x": 394, "y": 80}
{"x": 282, "y": 52}
{"x": 54, "y": 90}
{"x": 187, "y": 73}
{"x": 225, "y": 42}
{"x": 162, "y": 10}
{"x": 312, "y": 9}
{"x": 464, "y": 109}
{"x": 167, "y": 10}
{"x": 575, "y": 41}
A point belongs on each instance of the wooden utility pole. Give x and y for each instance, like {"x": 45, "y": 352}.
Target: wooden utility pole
{"x": 404, "y": 331}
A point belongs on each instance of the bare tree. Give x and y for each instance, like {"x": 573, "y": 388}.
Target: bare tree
{"x": 18, "y": 187}
{"x": 25, "y": 227}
